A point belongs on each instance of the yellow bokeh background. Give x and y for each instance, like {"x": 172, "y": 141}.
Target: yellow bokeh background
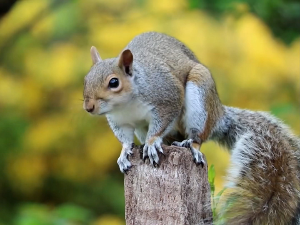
{"x": 53, "y": 152}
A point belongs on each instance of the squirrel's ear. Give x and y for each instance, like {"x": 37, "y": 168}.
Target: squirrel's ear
{"x": 125, "y": 61}
{"x": 95, "y": 55}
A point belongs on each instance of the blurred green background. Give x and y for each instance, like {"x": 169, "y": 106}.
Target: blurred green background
{"x": 57, "y": 163}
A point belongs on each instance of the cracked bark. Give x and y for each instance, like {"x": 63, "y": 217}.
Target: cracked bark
{"x": 176, "y": 192}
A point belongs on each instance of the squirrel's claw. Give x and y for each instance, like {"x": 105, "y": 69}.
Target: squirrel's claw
{"x": 145, "y": 157}
{"x": 126, "y": 171}
{"x": 176, "y": 143}
{"x": 155, "y": 164}
{"x": 197, "y": 155}
{"x": 151, "y": 151}
{"x": 123, "y": 162}
{"x": 185, "y": 143}
{"x": 202, "y": 162}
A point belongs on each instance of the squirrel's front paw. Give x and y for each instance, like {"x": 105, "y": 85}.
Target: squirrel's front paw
{"x": 123, "y": 162}
{"x": 150, "y": 150}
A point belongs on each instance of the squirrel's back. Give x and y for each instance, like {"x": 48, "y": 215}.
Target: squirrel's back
{"x": 158, "y": 45}
{"x": 264, "y": 179}
{"x": 162, "y": 53}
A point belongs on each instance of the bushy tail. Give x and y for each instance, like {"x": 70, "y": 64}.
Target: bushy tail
{"x": 264, "y": 183}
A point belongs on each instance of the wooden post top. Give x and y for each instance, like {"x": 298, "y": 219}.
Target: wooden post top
{"x": 175, "y": 192}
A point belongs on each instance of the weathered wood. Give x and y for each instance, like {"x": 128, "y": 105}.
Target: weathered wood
{"x": 176, "y": 192}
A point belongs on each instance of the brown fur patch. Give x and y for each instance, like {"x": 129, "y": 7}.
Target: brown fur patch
{"x": 201, "y": 76}
{"x": 196, "y": 146}
{"x": 152, "y": 140}
{"x": 211, "y": 119}
{"x": 267, "y": 192}
{"x": 195, "y": 77}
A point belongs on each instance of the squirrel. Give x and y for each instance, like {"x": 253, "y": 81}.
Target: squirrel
{"x": 158, "y": 90}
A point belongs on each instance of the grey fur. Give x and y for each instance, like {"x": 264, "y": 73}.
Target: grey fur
{"x": 261, "y": 144}
{"x": 159, "y": 106}
{"x": 157, "y": 80}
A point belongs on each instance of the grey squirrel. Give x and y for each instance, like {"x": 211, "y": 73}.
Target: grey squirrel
{"x": 158, "y": 90}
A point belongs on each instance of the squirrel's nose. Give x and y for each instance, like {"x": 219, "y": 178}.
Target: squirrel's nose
{"x": 90, "y": 109}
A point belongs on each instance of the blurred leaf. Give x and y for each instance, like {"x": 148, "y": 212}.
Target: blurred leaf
{"x": 33, "y": 214}
{"x": 216, "y": 202}
{"x": 14, "y": 128}
{"x": 113, "y": 195}
{"x": 108, "y": 220}
{"x": 67, "y": 21}
{"x": 280, "y": 15}
{"x": 211, "y": 178}
{"x": 72, "y": 212}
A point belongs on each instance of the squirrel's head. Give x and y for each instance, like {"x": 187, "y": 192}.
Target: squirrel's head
{"x": 108, "y": 84}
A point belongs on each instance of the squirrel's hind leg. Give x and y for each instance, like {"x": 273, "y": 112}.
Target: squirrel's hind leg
{"x": 195, "y": 114}
{"x": 195, "y": 117}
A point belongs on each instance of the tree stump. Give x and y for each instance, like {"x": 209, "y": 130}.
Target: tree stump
{"x": 174, "y": 193}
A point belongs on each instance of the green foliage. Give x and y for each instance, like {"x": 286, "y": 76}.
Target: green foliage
{"x": 14, "y": 127}
{"x": 66, "y": 214}
{"x": 215, "y": 199}
{"x": 211, "y": 179}
{"x": 282, "y": 16}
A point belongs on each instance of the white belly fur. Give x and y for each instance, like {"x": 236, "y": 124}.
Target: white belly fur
{"x": 134, "y": 114}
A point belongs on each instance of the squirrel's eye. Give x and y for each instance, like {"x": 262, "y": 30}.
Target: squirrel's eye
{"x": 113, "y": 83}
